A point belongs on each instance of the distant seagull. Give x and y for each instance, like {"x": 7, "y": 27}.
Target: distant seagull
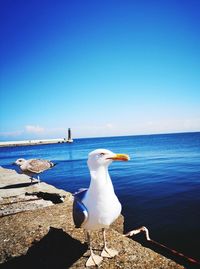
{"x": 97, "y": 207}
{"x": 34, "y": 166}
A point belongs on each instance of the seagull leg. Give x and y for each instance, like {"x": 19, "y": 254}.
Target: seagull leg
{"x": 94, "y": 260}
{"x": 38, "y": 178}
{"x": 31, "y": 178}
{"x": 86, "y": 236}
{"x": 107, "y": 252}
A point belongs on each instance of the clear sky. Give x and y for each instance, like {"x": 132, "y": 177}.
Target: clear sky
{"x": 103, "y": 68}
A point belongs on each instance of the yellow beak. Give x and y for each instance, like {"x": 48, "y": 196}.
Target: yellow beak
{"x": 120, "y": 157}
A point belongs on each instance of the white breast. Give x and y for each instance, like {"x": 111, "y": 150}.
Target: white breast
{"x": 103, "y": 209}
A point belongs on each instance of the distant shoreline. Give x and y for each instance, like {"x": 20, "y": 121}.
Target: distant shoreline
{"x": 64, "y": 140}
{"x": 34, "y": 142}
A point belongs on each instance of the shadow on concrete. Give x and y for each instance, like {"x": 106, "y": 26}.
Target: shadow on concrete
{"x": 19, "y": 185}
{"x": 57, "y": 249}
{"x": 53, "y": 197}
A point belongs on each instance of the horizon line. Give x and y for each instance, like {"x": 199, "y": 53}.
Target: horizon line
{"x": 93, "y": 137}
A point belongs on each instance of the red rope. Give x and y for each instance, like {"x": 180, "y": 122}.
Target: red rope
{"x": 146, "y": 231}
{"x": 176, "y": 252}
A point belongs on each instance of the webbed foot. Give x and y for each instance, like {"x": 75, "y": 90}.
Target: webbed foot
{"x": 109, "y": 253}
{"x": 94, "y": 260}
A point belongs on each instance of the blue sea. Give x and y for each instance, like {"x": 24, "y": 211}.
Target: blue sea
{"x": 158, "y": 188}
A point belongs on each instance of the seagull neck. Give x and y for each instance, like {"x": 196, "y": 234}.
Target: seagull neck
{"x": 100, "y": 178}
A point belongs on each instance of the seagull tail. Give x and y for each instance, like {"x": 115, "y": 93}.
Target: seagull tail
{"x": 53, "y": 164}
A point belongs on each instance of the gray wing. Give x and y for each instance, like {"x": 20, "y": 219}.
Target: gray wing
{"x": 38, "y": 166}
{"x": 80, "y": 213}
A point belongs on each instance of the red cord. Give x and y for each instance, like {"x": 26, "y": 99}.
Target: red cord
{"x": 176, "y": 252}
{"x": 146, "y": 231}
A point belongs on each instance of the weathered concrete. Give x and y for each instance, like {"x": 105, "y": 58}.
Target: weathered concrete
{"x": 46, "y": 238}
{"x": 18, "y": 194}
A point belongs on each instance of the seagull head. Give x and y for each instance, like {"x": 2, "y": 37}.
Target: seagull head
{"x": 104, "y": 157}
{"x": 20, "y": 161}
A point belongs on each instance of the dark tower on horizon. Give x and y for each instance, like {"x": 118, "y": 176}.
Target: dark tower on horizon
{"x": 69, "y": 139}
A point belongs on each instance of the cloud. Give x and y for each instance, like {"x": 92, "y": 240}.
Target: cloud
{"x": 192, "y": 124}
{"x": 11, "y": 134}
{"x": 109, "y": 126}
{"x": 35, "y": 129}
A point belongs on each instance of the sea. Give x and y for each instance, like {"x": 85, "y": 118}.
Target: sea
{"x": 158, "y": 188}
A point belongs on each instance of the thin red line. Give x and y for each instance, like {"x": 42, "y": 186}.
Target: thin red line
{"x": 176, "y": 252}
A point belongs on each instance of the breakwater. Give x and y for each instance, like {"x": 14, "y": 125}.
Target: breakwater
{"x": 43, "y": 235}
{"x": 34, "y": 142}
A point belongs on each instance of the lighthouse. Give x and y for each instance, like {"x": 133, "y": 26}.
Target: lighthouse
{"x": 69, "y": 139}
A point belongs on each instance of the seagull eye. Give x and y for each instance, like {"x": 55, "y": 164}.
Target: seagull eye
{"x": 102, "y": 154}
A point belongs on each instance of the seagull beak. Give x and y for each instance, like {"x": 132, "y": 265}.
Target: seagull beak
{"x": 120, "y": 157}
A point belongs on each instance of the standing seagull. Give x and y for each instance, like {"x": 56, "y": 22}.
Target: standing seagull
{"x": 34, "y": 166}
{"x": 98, "y": 207}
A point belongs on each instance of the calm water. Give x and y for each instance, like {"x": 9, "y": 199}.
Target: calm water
{"x": 159, "y": 187}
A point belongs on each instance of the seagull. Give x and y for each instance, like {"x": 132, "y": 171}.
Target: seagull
{"x": 33, "y": 166}
{"x": 97, "y": 207}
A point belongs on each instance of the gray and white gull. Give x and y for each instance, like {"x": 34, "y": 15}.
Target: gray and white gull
{"x": 33, "y": 167}
{"x": 98, "y": 207}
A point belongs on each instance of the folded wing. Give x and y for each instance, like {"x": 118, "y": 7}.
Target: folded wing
{"x": 80, "y": 213}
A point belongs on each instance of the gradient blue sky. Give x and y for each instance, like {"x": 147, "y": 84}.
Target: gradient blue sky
{"x": 102, "y": 68}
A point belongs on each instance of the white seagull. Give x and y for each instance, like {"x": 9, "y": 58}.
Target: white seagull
{"x": 33, "y": 166}
{"x": 98, "y": 207}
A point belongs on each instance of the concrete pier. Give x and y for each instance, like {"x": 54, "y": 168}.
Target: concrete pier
{"x": 33, "y": 142}
{"x": 37, "y": 231}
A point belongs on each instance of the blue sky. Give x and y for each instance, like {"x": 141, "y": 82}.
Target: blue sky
{"x": 102, "y": 68}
